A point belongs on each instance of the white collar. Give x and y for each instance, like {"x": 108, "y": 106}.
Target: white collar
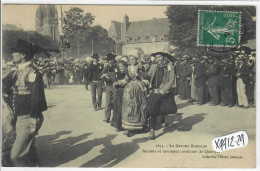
{"x": 23, "y": 65}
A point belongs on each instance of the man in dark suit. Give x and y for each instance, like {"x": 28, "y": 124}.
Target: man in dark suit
{"x": 109, "y": 76}
{"x": 227, "y": 72}
{"x": 199, "y": 75}
{"x": 212, "y": 75}
{"x": 250, "y": 89}
{"x": 185, "y": 78}
{"x": 95, "y": 82}
{"x": 86, "y": 68}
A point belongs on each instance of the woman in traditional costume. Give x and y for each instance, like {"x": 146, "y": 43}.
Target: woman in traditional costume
{"x": 134, "y": 97}
{"x": 119, "y": 86}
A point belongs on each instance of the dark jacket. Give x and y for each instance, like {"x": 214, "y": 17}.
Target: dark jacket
{"x": 244, "y": 73}
{"x": 199, "y": 74}
{"x": 186, "y": 71}
{"x": 227, "y": 72}
{"x": 251, "y": 75}
{"x": 212, "y": 75}
{"x": 110, "y": 71}
{"x": 94, "y": 72}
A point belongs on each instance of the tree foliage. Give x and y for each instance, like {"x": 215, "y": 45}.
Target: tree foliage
{"x": 98, "y": 33}
{"x": 81, "y": 34}
{"x": 77, "y": 27}
{"x": 10, "y": 38}
{"x": 184, "y": 23}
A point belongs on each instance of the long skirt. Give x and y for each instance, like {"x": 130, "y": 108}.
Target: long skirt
{"x": 117, "y": 112}
{"x": 134, "y": 104}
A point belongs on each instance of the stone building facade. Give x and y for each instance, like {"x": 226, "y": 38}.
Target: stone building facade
{"x": 150, "y": 35}
{"x": 46, "y": 21}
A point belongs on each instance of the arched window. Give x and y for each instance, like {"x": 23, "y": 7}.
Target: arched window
{"x": 162, "y": 37}
{"x": 144, "y": 38}
{"x": 153, "y": 38}
{"x": 137, "y": 38}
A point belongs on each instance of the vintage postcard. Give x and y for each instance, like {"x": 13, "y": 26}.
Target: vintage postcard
{"x": 128, "y": 86}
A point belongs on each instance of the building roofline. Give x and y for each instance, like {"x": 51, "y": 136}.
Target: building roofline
{"x": 140, "y": 20}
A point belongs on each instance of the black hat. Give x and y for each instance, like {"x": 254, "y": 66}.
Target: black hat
{"x": 29, "y": 49}
{"x": 170, "y": 57}
{"x": 24, "y": 47}
{"x": 110, "y": 57}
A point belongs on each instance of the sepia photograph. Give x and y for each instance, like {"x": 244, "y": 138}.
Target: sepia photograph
{"x": 128, "y": 86}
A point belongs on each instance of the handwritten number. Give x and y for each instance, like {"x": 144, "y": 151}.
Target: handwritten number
{"x": 232, "y": 141}
{"x": 240, "y": 139}
{"x": 216, "y": 142}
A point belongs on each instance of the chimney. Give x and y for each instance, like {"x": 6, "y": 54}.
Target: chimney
{"x": 124, "y": 27}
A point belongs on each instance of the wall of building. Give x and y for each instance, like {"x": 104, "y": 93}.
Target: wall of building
{"x": 147, "y": 48}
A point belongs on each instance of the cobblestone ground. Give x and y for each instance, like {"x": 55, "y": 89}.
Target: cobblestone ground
{"x": 74, "y": 135}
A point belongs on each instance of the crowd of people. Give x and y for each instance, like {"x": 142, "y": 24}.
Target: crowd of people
{"x": 226, "y": 80}
{"x": 200, "y": 78}
{"x": 60, "y": 73}
{"x": 138, "y": 90}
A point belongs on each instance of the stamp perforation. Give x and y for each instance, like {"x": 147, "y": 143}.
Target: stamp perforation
{"x": 212, "y": 45}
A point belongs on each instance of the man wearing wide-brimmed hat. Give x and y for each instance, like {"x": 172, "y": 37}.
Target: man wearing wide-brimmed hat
{"x": 28, "y": 104}
{"x": 109, "y": 76}
{"x": 162, "y": 84}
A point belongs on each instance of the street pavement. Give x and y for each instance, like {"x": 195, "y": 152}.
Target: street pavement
{"x": 74, "y": 135}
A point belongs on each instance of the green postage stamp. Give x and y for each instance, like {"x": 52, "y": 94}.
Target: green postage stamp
{"x": 218, "y": 28}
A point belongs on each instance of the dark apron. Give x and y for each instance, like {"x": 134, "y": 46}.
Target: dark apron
{"x": 158, "y": 104}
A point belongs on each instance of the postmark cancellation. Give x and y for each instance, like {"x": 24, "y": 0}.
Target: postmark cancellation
{"x": 219, "y": 28}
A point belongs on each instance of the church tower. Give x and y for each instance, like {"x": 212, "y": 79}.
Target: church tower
{"x": 46, "y": 21}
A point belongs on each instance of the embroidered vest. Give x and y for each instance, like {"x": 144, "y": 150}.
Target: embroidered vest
{"x": 22, "y": 82}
